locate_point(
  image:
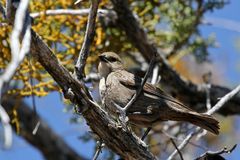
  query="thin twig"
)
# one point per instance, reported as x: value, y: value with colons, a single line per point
x: 88, y: 39
x: 123, y: 111
x: 99, y: 149
x: 181, y: 139
x: 146, y: 133
x: 33, y: 96
x: 224, y: 100
x: 213, y: 153
x: 214, y: 109
x: 179, y: 152
x: 17, y: 55
x: 182, y: 145
x: 149, y: 71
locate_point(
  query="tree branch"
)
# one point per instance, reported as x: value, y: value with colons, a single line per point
x: 214, y: 109
x: 123, y: 143
x: 74, y: 12
x: 46, y: 140
x: 88, y: 39
x: 126, y: 144
x: 139, y: 91
x: 216, y: 154
x: 176, y: 147
x: 5, y: 120
x: 21, y: 26
x: 188, y: 92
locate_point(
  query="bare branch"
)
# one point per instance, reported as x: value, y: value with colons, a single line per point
x: 183, y: 144
x: 49, y: 143
x: 74, y: 12
x: 189, y: 92
x: 146, y: 133
x: 124, y: 143
x: 17, y: 55
x: 88, y: 39
x: 6, y: 127
x: 216, y: 107
x: 215, y: 154
x: 138, y: 92
x: 179, y: 152
x: 100, y: 145
x: 224, y: 100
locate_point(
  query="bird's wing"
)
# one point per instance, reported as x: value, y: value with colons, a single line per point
x: 132, y: 81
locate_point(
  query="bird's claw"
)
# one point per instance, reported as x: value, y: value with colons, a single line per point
x: 68, y: 94
x: 123, y: 119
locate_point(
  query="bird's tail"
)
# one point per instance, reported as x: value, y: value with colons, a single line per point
x: 204, y: 121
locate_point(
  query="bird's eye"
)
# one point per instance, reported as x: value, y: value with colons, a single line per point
x: 112, y: 59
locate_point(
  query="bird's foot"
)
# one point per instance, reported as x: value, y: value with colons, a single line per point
x: 123, y: 119
x: 68, y: 94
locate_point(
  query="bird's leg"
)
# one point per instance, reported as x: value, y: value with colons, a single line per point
x: 100, y: 145
x: 146, y: 133
x: 122, y: 115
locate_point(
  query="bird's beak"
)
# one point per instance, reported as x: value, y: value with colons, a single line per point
x: 103, y: 58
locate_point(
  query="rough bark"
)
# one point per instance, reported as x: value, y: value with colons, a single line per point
x: 46, y: 140
x: 116, y: 138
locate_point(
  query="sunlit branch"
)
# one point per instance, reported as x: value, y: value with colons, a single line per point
x: 214, y: 109
x: 17, y: 55
x: 74, y: 12
x: 88, y: 39
x: 5, y: 120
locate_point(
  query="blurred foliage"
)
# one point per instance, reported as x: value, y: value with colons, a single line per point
x: 171, y: 26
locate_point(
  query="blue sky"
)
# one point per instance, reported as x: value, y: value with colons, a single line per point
x: 227, y: 56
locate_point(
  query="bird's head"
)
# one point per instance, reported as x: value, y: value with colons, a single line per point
x: 109, y: 62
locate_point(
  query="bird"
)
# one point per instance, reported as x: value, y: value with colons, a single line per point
x: 117, y: 86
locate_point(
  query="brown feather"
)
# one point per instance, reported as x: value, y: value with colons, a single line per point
x: 153, y: 105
